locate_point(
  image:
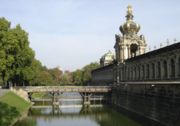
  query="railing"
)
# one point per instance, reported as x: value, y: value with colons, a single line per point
x: 66, y: 88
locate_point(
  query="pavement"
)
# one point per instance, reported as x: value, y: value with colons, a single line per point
x: 3, y: 91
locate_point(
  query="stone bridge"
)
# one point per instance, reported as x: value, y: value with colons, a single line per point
x: 85, y: 91
x: 62, y: 89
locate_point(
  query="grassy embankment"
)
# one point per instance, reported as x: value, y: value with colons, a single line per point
x: 11, y: 108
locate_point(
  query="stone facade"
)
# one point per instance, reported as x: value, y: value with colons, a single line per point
x: 158, y: 65
x: 145, y: 83
x: 135, y: 66
x: 107, y: 59
x: 129, y: 44
x: 103, y: 75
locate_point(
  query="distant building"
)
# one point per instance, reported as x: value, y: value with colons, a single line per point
x: 107, y: 59
x: 132, y: 63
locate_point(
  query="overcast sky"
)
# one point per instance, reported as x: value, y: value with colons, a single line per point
x: 73, y: 33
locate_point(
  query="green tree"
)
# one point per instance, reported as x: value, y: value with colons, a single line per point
x: 66, y: 78
x: 43, y: 78
x: 5, y: 61
x: 86, y: 77
x: 77, y: 77
x: 56, y: 74
x: 83, y: 76
x: 15, y: 54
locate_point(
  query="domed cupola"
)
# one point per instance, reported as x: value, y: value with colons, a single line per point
x: 129, y: 27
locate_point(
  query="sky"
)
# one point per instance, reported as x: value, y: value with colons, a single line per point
x: 72, y: 33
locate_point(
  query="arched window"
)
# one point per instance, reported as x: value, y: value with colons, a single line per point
x: 139, y: 72
x: 179, y: 65
x: 159, y: 70
x: 135, y: 73
x: 147, y: 71
x: 172, y: 68
x: 131, y: 73
x: 153, y: 71
x: 165, y: 68
x: 133, y: 49
x: 143, y: 72
x: 128, y: 73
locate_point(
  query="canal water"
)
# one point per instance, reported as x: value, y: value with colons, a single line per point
x: 71, y: 113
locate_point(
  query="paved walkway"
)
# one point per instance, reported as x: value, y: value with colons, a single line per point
x: 3, y: 91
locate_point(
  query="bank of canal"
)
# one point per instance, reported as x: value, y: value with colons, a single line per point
x: 12, y: 107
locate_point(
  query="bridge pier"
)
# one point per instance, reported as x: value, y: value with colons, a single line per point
x: 30, y: 95
x: 86, y: 98
x: 55, y: 98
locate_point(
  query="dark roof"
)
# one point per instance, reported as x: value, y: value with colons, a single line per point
x: 104, y: 67
x: 156, y: 52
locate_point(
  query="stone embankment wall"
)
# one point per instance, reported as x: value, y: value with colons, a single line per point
x: 160, y: 106
x: 21, y: 93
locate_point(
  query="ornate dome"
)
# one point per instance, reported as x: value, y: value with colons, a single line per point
x: 129, y: 27
x: 107, y: 58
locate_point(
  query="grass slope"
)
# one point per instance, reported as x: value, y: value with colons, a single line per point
x: 11, y: 107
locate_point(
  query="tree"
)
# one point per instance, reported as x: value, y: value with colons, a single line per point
x: 56, y: 74
x: 15, y: 54
x: 43, y: 78
x: 5, y: 61
x: 83, y: 76
x: 66, y: 78
x: 87, y: 72
x: 77, y: 77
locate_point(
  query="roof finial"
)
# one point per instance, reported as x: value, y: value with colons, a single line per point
x: 129, y: 15
x: 129, y: 10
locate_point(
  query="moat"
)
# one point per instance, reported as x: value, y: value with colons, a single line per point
x: 73, y: 113
x: 95, y: 116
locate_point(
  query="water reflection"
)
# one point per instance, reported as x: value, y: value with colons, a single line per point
x: 96, y: 116
x: 72, y: 113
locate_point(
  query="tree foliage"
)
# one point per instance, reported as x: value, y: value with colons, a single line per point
x: 18, y: 65
x: 83, y: 76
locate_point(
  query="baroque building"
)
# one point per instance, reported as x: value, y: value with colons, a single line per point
x: 142, y: 80
x: 129, y: 44
x: 133, y: 64
x: 107, y: 59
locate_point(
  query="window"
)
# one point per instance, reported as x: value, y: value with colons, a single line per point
x: 153, y: 71
x: 172, y: 68
x: 165, y: 68
x: 179, y: 65
x: 143, y: 72
x: 159, y: 70
x: 147, y: 71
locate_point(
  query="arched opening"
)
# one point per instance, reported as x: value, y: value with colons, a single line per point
x: 135, y: 73
x: 139, y: 73
x: 172, y: 68
x: 131, y: 73
x: 165, y: 68
x: 153, y: 71
x: 128, y: 73
x: 143, y: 72
x: 133, y: 48
x: 147, y: 71
x: 159, y: 70
x: 179, y: 65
